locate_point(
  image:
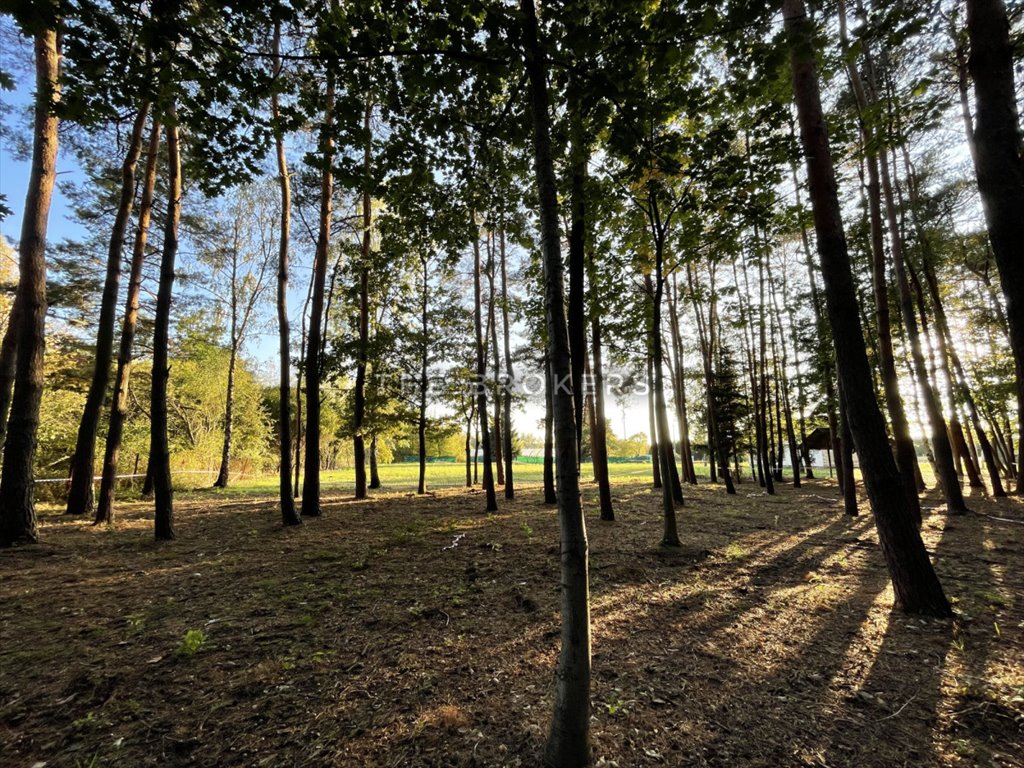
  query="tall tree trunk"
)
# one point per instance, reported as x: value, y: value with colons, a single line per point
x: 299, y: 371
x: 359, y: 395
x: 716, y: 444
x: 421, y: 486
x: 311, y: 366
x: 801, y: 399
x: 481, y: 376
x: 670, y: 534
x: 374, y: 470
x: 759, y: 390
x: 492, y: 325
x: 159, y: 451
x: 844, y: 461
x: 999, y: 169
x: 8, y: 365
x: 510, y: 490
x: 916, y: 586
x: 550, y: 497
x: 469, y: 446
x: 80, y: 494
x: 824, y: 360
x: 958, y: 379
x: 784, y: 385
x: 223, y: 474
x: 945, y: 468
x: 600, y: 427
x: 655, y: 452
x: 568, y: 742
x: 578, y: 156
x: 17, y: 481
x: 288, y: 513
x: 679, y: 382
x: 906, y: 455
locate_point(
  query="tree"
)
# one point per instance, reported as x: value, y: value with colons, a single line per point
x: 287, y: 500
x: 119, y: 406
x: 1000, y: 169
x: 159, y: 452
x: 239, y: 251
x: 17, y: 499
x: 80, y: 495
x: 916, y: 586
x: 568, y: 743
x: 314, y: 339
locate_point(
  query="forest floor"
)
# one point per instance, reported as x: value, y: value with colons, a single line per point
x: 406, y: 631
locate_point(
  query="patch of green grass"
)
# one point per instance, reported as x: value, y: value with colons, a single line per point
x: 996, y: 600
x: 735, y: 552
x: 191, y: 643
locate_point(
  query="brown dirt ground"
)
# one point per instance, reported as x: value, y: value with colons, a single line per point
x: 421, y: 632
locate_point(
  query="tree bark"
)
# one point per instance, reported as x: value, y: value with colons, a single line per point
x: 510, y: 491
x: 311, y: 477
x: 8, y: 365
x: 679, y: 382
x: 906, y: 455
x: 945, y: 468
x: 159, y: 452
x: 670, y: 534
x: 568, y: 742
x: 359, y: 396
x: 17, y: 481
x: 288, y: 513
x: 578, y: 153
x: 481, y: 376
x: 999, y: 169
x: 421, y: 486
x: 550, y: 497
x: 374, y: 470
x: 80, y: 494
x: 492, y: 325
x: 916, y: 586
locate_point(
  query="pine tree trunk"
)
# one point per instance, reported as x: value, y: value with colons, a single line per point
x: 421, y: 486
x: 492, y: 325
x: 481, y: 377
x: 945, y: 469
x: 655, y: 452
x: 8, y: 366
x: 578, y: 155
x: 159, y: 452
x: 999, y: 168
x: 568, y: 742
x: 374, y: 469
x: 600, y: 427
x: 223, y: 475
x: 314, y: 340
x: 288, y: 513
x: 716, y: 444
x: 670, y: 534
x: 916, y: 586
x: 848, y: 482
x: 17, y: 481
x: 679, y: 381
x: 469, y: 446
x: 299, y: 371
x: 550, y: 497
x: 906, y: 455
x: 510, y: 491
x: 80, y: 494
x: 359, y: 396
x: 958, y: 379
